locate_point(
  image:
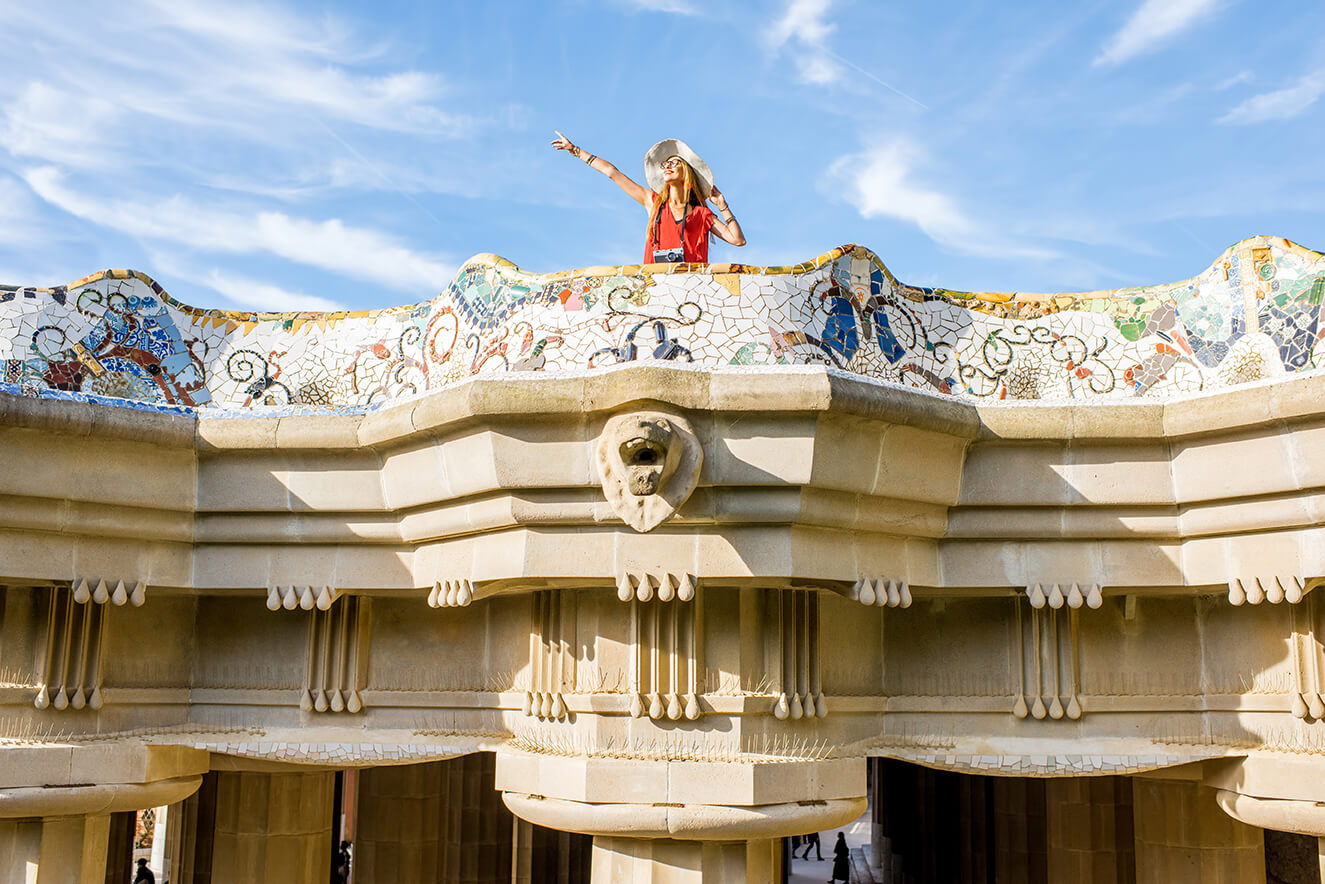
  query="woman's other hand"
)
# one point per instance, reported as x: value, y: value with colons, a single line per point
x: 561, y: 142
x: 715, y: 197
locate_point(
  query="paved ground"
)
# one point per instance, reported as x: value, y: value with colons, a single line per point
x: 809, y: 871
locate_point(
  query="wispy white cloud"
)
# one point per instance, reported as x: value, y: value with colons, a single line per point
x: 1153, y: 23
x: 882, y: 182
x: 675, y: 7
x: 357, y: 252
x: 1281, y: 104
x: 264, y: 296
x: 803, y: 25
x: 1235, y: 80
x: 1153, y: 107
x: 249, y: 72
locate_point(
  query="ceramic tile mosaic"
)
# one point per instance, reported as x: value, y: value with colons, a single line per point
x: 116, y: 336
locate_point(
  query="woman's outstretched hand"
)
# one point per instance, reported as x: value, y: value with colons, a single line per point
x: 561, y: 142
x: 715, y: 197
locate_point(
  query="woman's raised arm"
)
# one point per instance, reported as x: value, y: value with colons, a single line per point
x: 639, y: 194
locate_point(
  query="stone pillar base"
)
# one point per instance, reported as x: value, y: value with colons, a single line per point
x: 61, y: 850
x: 668, y: 861
x: 1182, y: 835
x: 273, y: 828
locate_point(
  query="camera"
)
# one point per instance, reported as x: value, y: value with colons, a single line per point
x: 668, y: 256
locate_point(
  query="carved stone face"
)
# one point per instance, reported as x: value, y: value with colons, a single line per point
x: 644, y: 456
x: 649, y: 464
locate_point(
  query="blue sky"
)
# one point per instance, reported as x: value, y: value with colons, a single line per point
x: 283, y: 156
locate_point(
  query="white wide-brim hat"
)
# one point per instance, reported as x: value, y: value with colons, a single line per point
x: 668, y: 148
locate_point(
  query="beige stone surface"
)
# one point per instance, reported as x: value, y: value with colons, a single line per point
x: 667, y: 861
x: 273, y: 828
x: 1182, y: 835
x: 1173, y: 522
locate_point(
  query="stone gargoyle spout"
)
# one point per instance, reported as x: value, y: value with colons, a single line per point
x: 649, y: 464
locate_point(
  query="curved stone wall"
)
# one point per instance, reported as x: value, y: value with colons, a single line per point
x: 116, y: 336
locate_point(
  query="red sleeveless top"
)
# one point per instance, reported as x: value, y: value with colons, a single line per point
x: 665, y: 232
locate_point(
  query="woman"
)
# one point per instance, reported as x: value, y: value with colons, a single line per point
x: 679, y: 223
x: 841, y: 860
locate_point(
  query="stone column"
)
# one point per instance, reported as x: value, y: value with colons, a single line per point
x: 1183, y: 836
x: 1020, y: 831
x: 273, y: 828
x: 59, y: 850
x: 692, y: 821
x: 119, y: 850
x: 1090, y: 837
x: 437, y: 823
x: 548, y: 856
x: 669, y: 861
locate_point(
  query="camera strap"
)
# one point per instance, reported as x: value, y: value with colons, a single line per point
x: 681, y: 225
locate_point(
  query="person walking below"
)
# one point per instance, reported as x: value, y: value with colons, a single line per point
x: 144, y: 875
x: 811, y: 840
x: 841, y: 860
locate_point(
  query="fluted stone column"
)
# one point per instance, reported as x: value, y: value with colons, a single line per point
x: 547, y: 856
x: 273, y: 828
x: 1090, y: 833
x: 437, y: 823
x: 669, y: 861
x: 1020, y: 831
x: 1182, y: 835
x: 59, y: 850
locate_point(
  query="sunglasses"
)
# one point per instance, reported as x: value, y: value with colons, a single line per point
x: 673, y: 163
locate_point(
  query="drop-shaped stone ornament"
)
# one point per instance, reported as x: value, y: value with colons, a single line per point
x: 1236, y: 595
x: 1056, y: 597
x: 867, y: 592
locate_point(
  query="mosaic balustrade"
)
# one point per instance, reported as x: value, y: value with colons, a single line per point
x: 116, y: 336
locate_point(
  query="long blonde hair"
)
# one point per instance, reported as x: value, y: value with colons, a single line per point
x: 687, y: 184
